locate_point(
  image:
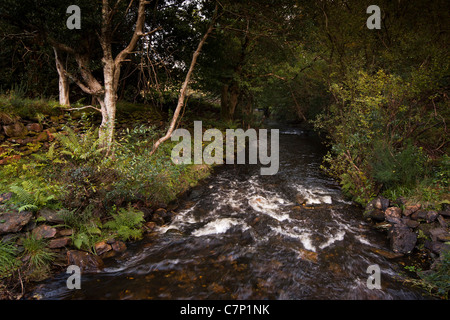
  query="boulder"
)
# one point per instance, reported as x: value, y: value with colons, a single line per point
x: 439, y: 234
x: 375, y: 214
x: 431, y: 216
x: 6, y: 118
x: 14, y: 221
x: 35, y: 127
x: 150, y: 226
x: 44, y: 232
x: 50, y: 134
x: 87, y: 262
x: 51, y: 216
x: 445, y: 213
x: 442, y: 222
x: 419, y: 215
x: 437, y: 246
x: 43, y: 136
x: 393, y: 214
x: 380, y: 203
x: 409, y: 210
x: 102, y: 247
x: 15, y: 130
x: 402, y: 238
x: 59, y: 243
x: 158, y: 219
x: 65, y: 232
x: 410, y: 223
x: 119, y: 246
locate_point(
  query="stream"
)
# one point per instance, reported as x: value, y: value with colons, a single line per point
x: 242, y: 235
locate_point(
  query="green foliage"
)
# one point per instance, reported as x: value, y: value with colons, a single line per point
x: 15, y: 104
x: 126, y: 223
x: 32, y: 195
x: 85, y: 226
x: 441, y: 172
x: 436, y: 281
x: 80, y: 148
x: 397, y: 168
x: 439, y: 278
x: 374, y: 140
x: 154, y: 178
x: 8, y: 259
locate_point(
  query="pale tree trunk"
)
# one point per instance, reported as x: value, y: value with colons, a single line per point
x: 63, y: 81
x: 111, y: 69
x: 108, y: 107
x: 106, y: 95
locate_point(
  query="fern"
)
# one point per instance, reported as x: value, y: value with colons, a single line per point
x: 32, y: 195
x: 127, y: 223
x: 49, y: 157
x: 80, y: 148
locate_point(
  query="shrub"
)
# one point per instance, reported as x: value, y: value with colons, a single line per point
x: 397, y: 168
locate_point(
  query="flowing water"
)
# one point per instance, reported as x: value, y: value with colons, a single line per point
x: 241, y: 235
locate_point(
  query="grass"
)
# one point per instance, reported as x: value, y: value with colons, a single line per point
x: 14, y: 105
x: 8, y: 259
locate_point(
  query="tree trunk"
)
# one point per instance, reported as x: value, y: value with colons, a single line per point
x: 224, y: 103
x: 234, y: 99
x: 108, y: 108
x: 63, y: 81
x: 229, y: 100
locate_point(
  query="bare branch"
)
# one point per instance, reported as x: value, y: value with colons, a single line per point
x: 184, y: 86
x: 85, y: 107
x: 150, y: 32
x: 60, y: 46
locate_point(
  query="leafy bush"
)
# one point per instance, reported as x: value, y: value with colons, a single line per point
x: 375, y: 126
x: 397, y: 168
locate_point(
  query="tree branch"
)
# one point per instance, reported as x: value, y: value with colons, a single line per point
x: 185, y: 85
x: 85, y: 107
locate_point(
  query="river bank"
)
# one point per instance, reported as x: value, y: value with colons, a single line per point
x: 63, y: 203
x: 417, y: 231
